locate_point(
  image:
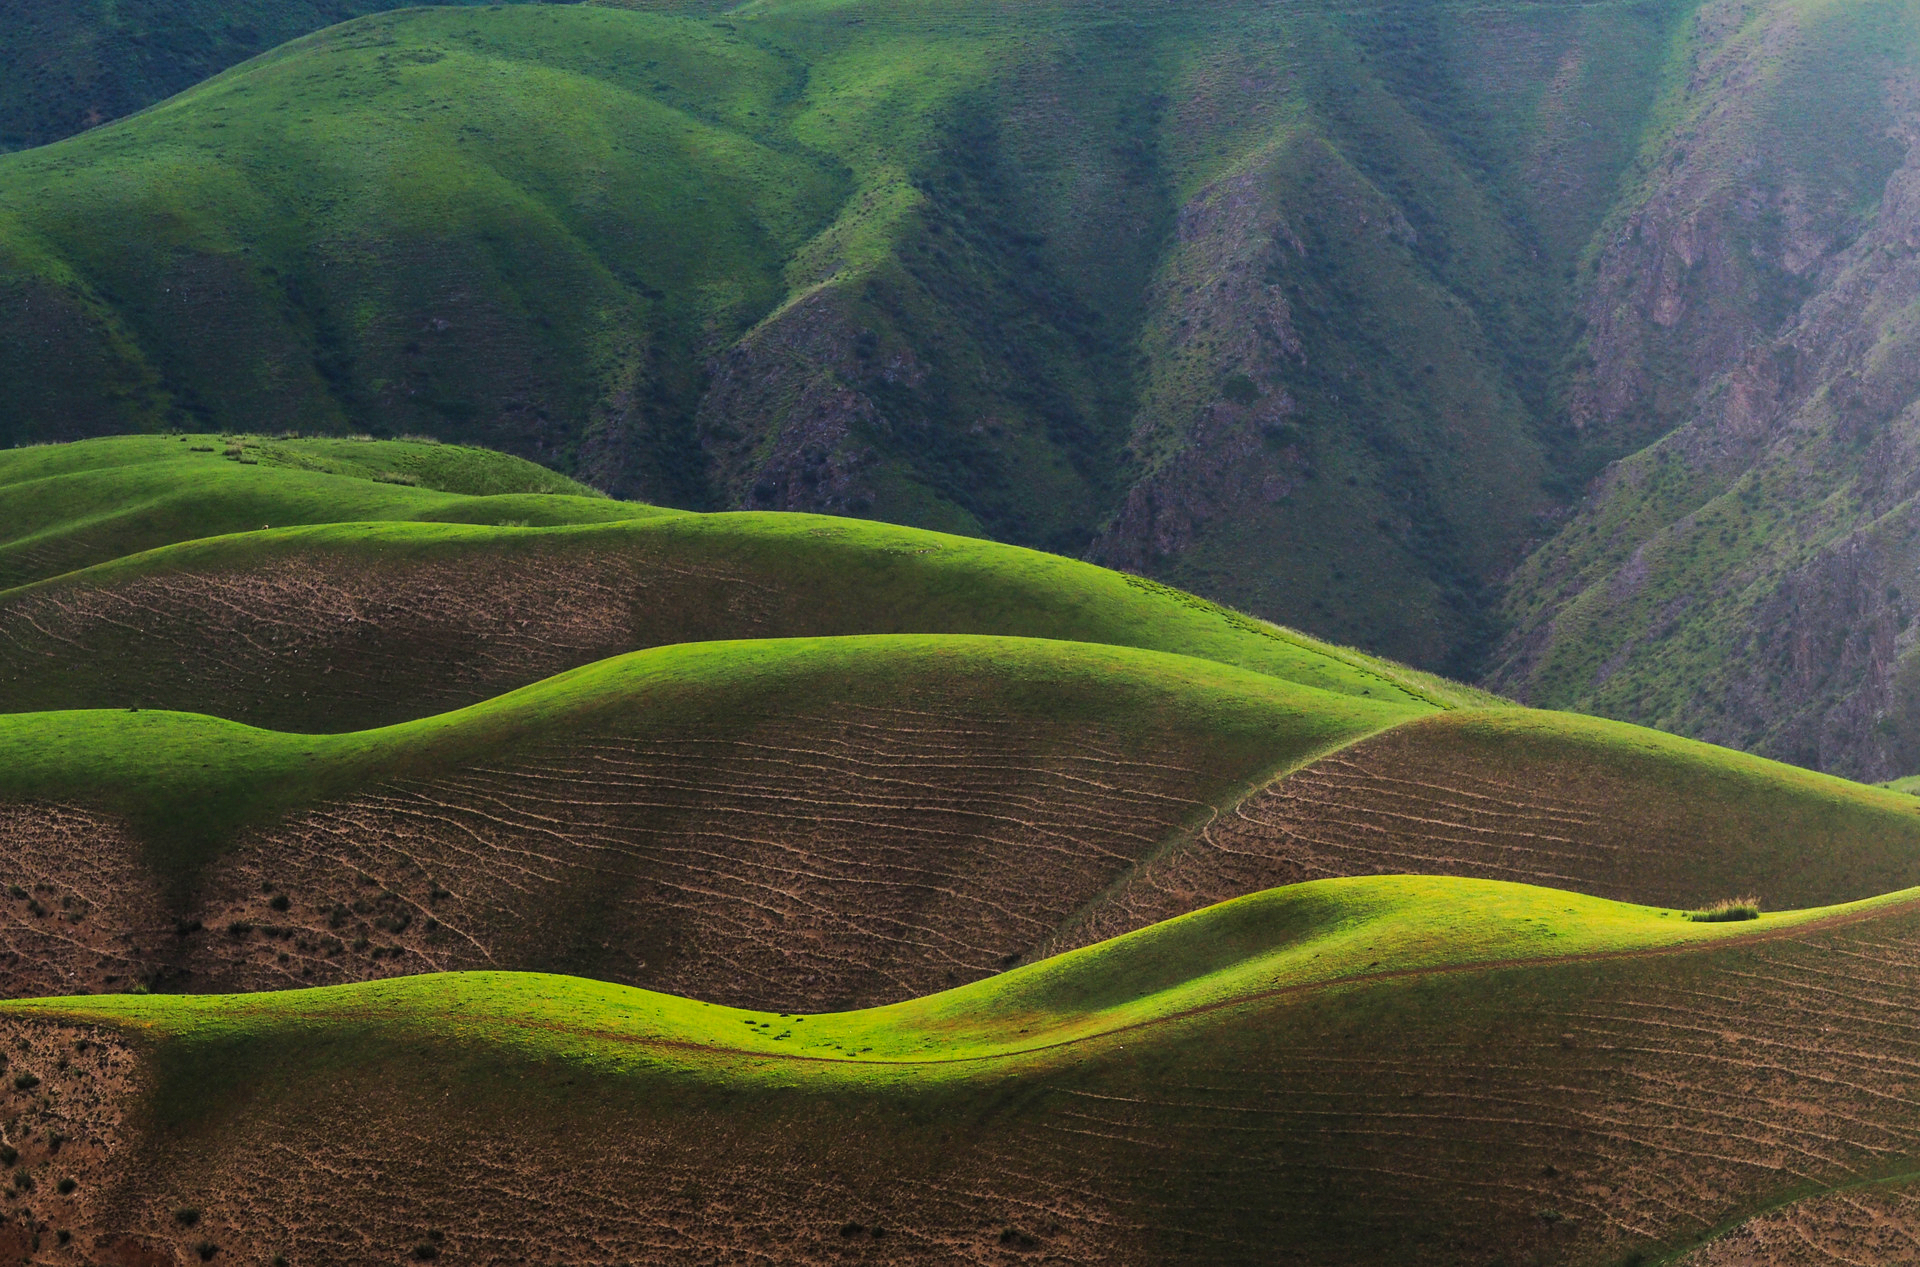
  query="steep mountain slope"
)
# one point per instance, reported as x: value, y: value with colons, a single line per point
x: 1746, y: 578
x: 1279, y: 1079
x: 1261, y: 300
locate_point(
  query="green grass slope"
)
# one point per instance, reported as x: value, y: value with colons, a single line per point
x: 1051, y: 273
x: 346, y: 625
x: 67, y: 507
x: 842, y: 819
x: 68, y: 67
x: 1278, y: 1079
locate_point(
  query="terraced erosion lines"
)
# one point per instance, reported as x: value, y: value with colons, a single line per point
x: 819, y: 861
x: 1556, y: 801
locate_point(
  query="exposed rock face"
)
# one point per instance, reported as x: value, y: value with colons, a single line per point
x: 1222, y: 336
x: 1751, y: 577
x: 797, y: 379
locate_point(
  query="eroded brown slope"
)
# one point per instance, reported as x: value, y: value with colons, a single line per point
x: 863, y: 850
x: 1578, y: 1112
x: 348, y: 627
x: 337, y: 639
x: 860, y: 851
x: 1540, y: 798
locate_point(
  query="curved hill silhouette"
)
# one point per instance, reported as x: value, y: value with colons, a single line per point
x: 1345, y: 1071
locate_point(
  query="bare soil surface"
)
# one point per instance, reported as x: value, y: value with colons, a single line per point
x: 330, y: 640
x: 1873, y: 1224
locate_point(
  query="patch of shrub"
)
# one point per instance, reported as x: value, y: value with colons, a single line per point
x: 25, y: 1082
x: 206, y: 1250
x: 239, y: 928
x: 1727, y: 910
x: 67, y: 1185
x: 425, y: 1250
x: 279, y: 902
x: 186, y: 1216
x: 22, y: 1181
x: 8, y: 1154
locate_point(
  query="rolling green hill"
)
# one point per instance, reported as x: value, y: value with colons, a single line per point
x: 836, y: 819
x: 67, y: 507
x: 1277, y: 1079
x: 467, y: 867
x: 487, y: 574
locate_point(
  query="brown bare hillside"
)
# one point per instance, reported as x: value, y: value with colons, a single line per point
x: 861, y: 850
x: 354, y: 626
x: 1542, y: 798
x: 1873, y: 1223
x: 1576, y: 1112
x: 331, y: 640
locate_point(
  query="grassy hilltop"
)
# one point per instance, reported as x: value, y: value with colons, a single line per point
x: 1352, y: 1072
x: 453, y: 864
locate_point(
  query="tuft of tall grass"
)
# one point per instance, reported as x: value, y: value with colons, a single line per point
x: 1727, y: 910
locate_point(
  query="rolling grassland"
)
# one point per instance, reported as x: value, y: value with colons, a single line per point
x: 469, y: 868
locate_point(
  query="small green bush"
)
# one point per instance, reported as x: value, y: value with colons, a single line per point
x: 1727, y: 910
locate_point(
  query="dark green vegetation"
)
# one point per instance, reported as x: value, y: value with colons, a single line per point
x: 1262, y: 300
x: 68, y: 67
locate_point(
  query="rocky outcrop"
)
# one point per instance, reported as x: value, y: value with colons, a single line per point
x: 1751, y: 578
